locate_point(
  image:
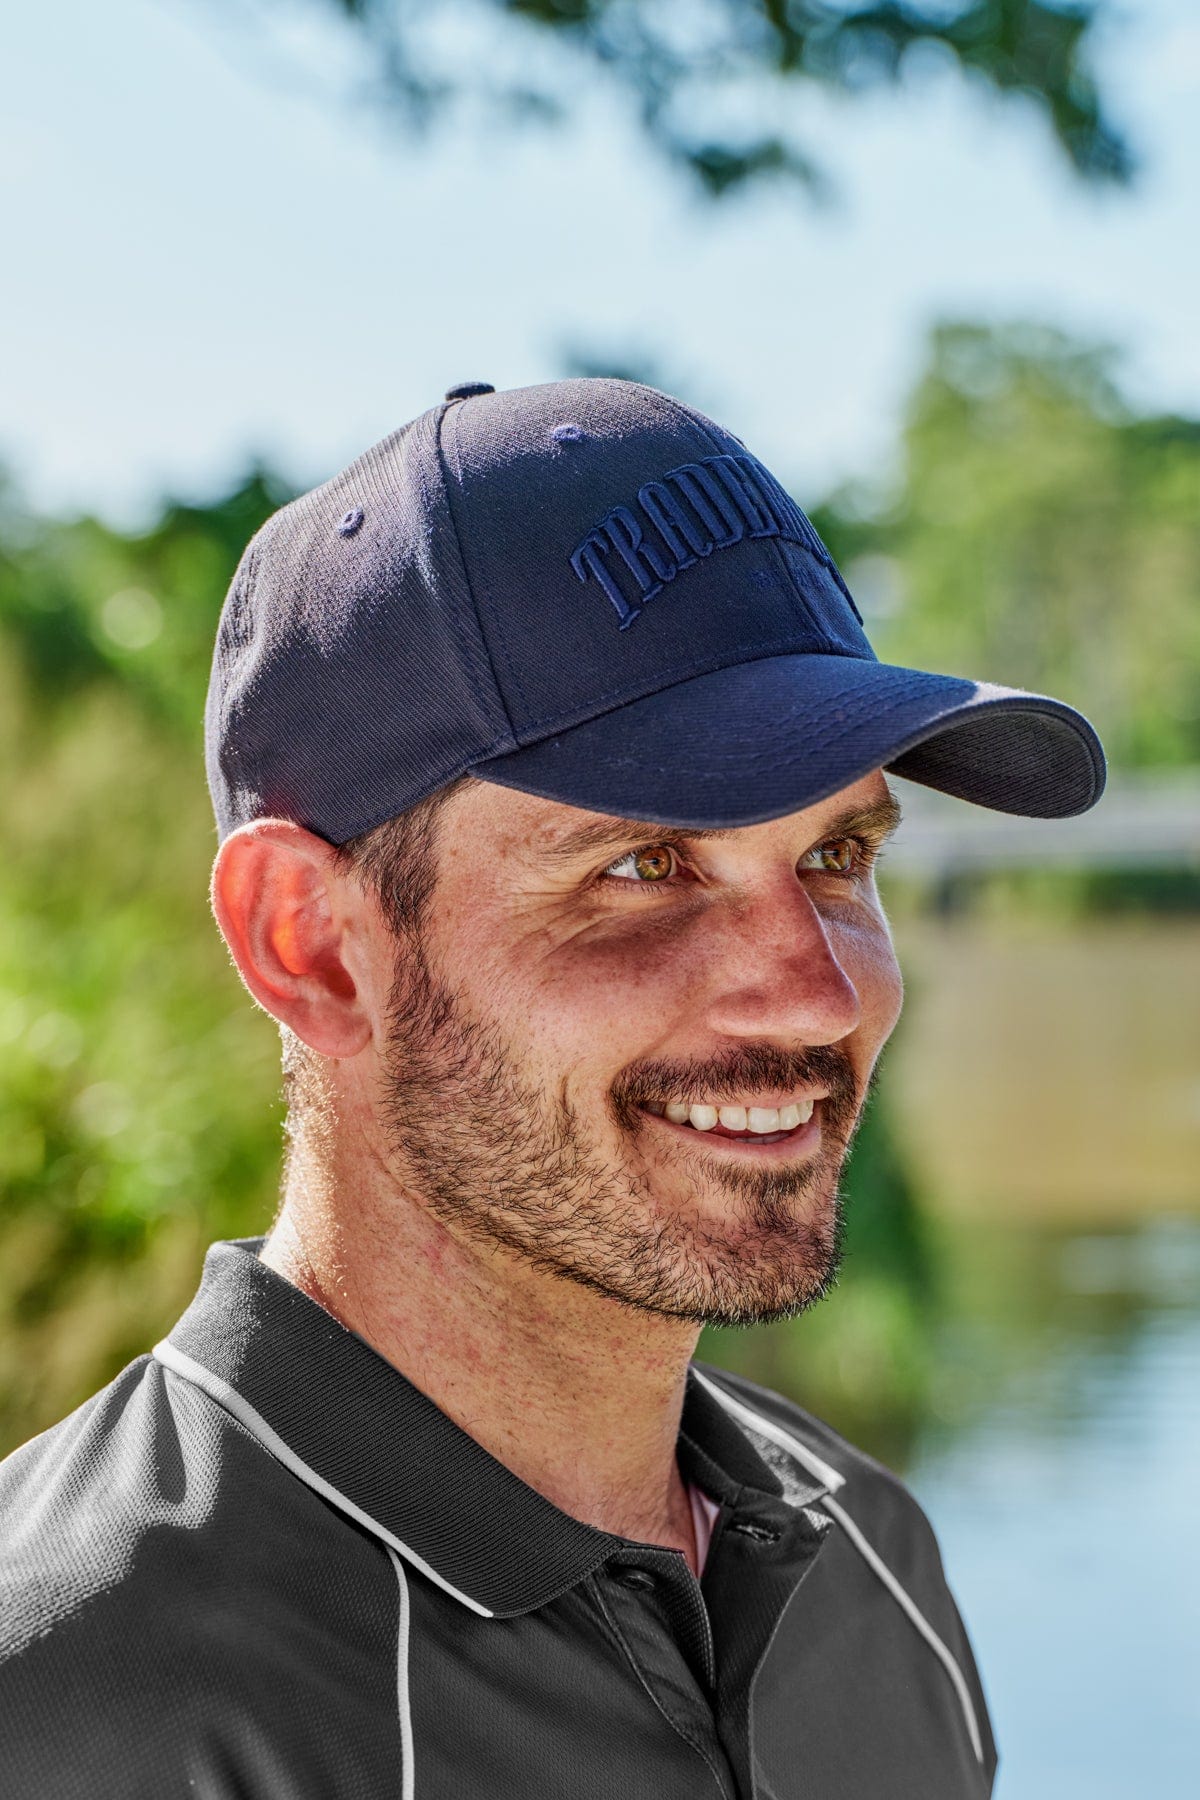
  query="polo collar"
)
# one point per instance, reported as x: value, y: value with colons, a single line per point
x: 359, y: 1432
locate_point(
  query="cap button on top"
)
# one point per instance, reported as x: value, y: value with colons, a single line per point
x: 466, y: 389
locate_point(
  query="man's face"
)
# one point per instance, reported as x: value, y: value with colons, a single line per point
x: 579, y: 981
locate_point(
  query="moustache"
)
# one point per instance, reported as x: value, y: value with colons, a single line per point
x: 748, y: 1068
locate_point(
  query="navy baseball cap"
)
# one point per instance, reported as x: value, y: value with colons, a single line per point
x: 589, y: 591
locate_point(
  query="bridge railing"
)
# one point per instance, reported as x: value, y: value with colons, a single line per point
x: 1143, y: 821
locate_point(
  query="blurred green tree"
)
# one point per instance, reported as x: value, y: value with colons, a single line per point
x: 695, y: 74
x: 139, y: 1106
x: 1041, y: 532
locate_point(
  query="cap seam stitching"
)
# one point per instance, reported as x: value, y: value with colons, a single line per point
x: 916, y: 678
x: 497, y: 746
x: 800, y: 607
x: 892, y: 705
x: 620, y: 697
x: 448, y: 413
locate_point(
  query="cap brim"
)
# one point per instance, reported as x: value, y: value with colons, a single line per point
x: 761, y: 739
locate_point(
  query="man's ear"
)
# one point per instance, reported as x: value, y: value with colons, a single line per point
x: 298, y: 931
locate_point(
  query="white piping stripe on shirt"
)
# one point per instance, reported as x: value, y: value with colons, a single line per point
x: 229, y: 1398
x: 767, y: 1428
x: 407, y: 1777
x: 918, y: 1618
x: 813, y: 1463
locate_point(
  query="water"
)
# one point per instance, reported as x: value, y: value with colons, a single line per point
x: 1068, y: 1518
x: 1050, y: 1070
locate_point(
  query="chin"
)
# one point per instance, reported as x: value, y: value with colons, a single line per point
x: 720, y: 1267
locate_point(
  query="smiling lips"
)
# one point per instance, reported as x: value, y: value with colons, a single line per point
x: 737, y: 1121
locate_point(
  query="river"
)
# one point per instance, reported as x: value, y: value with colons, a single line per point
x: 1068, y: 1518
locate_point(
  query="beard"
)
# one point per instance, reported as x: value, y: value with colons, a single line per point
x: 508, y: 1161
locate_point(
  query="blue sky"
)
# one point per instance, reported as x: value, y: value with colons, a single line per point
x: 212, y: 255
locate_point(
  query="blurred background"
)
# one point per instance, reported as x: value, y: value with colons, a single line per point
x: 938, y: 265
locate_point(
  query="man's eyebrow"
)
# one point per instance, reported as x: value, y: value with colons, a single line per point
x: 877, y: 820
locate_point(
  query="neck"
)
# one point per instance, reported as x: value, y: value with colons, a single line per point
x: 579, y: 1395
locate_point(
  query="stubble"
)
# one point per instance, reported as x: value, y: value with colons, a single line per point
x: 677, y: 1231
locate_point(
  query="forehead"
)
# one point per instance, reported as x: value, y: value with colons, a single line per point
x: 517, y: 821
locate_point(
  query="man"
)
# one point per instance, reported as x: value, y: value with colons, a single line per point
x: 548, y: 759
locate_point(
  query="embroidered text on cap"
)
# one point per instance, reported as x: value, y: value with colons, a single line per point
x: 690, y: 512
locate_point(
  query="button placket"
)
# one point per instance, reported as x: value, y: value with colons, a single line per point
x: 767, y: 1550
x: 671, y: 1591
x: 637, y: 1602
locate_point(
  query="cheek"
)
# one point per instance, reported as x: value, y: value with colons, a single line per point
x: 597, y: 1000
x: 613, y: 1001
x: 880, y: 985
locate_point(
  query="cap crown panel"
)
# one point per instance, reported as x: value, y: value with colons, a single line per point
x: 616, y: 543
x: 375, y: 627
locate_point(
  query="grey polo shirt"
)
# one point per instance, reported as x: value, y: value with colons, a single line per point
x: 262, y: 1564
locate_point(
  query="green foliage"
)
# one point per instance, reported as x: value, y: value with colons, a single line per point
x: 139, y: 1106
x: 1070, y: 896
x: 85, y: 608
x: 1043, y: 537
x: 689, y: 71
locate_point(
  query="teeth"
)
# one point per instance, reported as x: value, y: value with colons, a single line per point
x: 761, y: 1119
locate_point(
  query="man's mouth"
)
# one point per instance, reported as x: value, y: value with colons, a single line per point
x: 757, y: 1121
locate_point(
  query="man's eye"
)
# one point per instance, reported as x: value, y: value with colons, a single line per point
x: 840, y: 856
x: 655, y: 863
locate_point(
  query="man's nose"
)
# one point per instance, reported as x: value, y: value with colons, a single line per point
x: 774, y: 972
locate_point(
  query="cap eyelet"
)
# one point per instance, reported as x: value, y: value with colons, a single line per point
x: 351, y: 522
